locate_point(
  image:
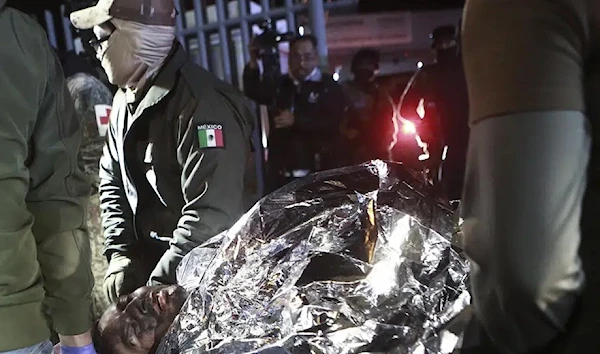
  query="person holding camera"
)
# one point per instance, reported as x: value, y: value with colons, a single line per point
x: 305, y: 108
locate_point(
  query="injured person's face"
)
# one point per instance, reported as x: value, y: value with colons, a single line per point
x: 136, y: 323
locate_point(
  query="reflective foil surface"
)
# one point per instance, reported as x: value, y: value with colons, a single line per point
x: 354, y: 260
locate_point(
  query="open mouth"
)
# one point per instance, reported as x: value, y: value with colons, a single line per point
x: 162, y: 301
x: 158, y: 303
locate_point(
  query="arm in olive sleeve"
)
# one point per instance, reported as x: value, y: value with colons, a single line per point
x: 21, y: 91
x: 57, y: 198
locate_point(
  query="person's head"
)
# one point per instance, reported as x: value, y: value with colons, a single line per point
x: 136, y: 323
x: 365, y: 65
x: 129, y: 35
x: 444, y: 42
x: 303, y: 58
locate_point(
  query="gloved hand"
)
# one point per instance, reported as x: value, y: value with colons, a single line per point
x: 124, y: 275
x: 166, y: 269
x: 88, y: 349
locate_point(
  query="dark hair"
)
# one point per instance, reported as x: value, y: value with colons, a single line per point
x: 100, y: 344
x: 308, y: 37
x: 443, y: 31
x: 366, y: 54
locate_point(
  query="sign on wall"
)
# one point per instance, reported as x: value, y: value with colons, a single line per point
x: 369, y: 30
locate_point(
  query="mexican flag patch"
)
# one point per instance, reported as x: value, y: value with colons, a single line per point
x: 210, y: 136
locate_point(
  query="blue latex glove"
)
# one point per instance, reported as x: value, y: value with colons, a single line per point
x: 88, y: 349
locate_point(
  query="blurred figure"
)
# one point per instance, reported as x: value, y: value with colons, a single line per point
x: 45, y: 255
x: 368, y: 124
x: 93, y: 102
x: 172, y: 171
x: 73, y: 64
x: 436, y: 97
x: 530, y: 216
x: 306, y: 108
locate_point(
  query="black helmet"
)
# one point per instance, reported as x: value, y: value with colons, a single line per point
x: 441, y: 33
x: 444, y: 31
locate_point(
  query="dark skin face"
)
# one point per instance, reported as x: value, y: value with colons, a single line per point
x: 137, y: 322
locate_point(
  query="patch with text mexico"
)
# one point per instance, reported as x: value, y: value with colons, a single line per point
x: 211, y: 136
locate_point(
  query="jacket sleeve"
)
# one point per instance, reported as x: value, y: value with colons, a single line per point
x: 522, y: 224
x: 57, y: 198
x: 211, y: 181
x: 255, y: 87
x: 117, y: 216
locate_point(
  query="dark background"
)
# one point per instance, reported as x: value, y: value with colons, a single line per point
x: 37, y: 7
x: 364, y: 6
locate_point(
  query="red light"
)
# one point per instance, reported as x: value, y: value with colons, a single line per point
x: 409, y: 127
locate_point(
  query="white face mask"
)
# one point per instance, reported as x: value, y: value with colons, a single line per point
x: 134, y: 51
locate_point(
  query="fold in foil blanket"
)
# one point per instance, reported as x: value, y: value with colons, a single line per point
x: 353, y: 260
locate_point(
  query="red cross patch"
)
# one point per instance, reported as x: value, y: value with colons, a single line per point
x: 102, y: 118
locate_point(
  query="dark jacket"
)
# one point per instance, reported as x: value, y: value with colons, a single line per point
x: 444, y: 89
x: 446, y: 122
x: 371, y: 115
x: 318, y: 107
x: 164, y: 190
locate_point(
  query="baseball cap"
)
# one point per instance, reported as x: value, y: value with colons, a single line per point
x: 149, y: 12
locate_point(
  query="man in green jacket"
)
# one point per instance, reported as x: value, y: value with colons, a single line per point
x: 171, y: 175
x: 44, y: 253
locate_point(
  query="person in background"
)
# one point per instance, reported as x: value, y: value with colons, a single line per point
x: 368, y: 124
x: 172, y: 171
x: 306, y: 108
x: 440, y: 91
x: 93, y: 102
x: 530, y: 204
x: 45, y: 255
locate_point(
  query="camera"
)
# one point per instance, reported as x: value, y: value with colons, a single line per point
x: 267, y: 46
x: 268, y: 41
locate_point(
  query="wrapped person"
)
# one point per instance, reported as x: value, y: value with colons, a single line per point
x: 359, y: 257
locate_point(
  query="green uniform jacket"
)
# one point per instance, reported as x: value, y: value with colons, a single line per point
x: 172, y: 171
x: 44, y: 257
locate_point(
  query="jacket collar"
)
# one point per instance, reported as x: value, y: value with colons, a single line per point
x: 2, y: 4
x: 164, y: 81
x: 316, y: 75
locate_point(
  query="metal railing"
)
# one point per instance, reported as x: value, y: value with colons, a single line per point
x: 224, y: 27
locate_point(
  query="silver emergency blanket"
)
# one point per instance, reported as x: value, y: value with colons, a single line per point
x: 353, y: 260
